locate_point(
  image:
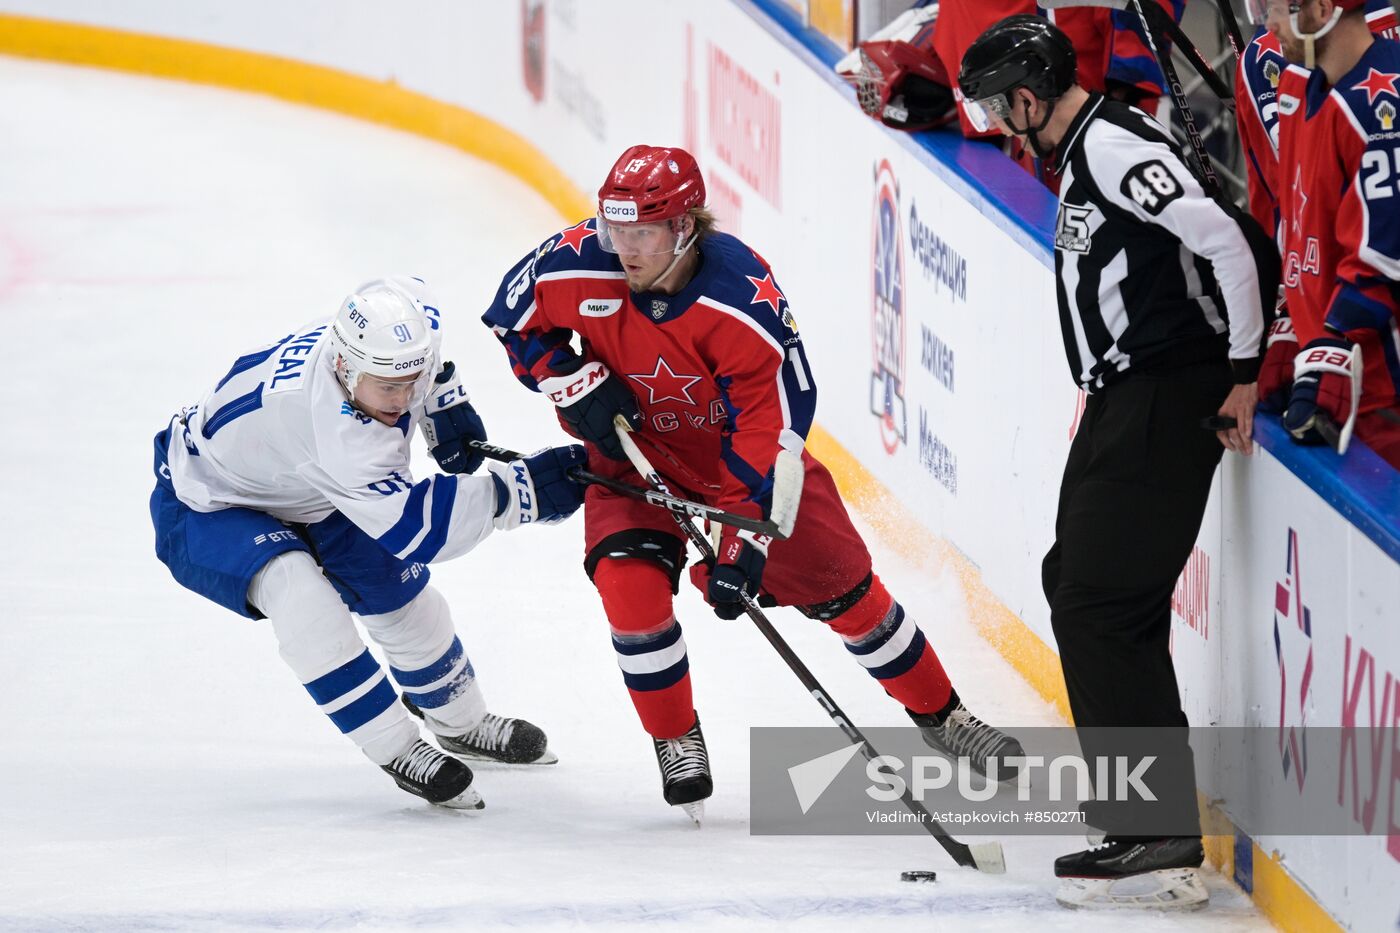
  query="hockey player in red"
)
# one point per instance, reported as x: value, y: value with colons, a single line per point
x: 684, y: 333
x: 1257, y: 78
x: 1339, y: 220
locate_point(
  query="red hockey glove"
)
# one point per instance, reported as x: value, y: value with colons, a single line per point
x: 1322, y: 407
x: 1276, y: 372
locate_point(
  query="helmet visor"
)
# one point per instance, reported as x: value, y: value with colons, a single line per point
x: 988, y: 113
x: 639, y: 239
x: 393, y: 393
x: 1257, y: 11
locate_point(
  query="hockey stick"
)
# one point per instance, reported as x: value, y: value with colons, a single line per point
x: 1232, y: 26
x: 1174, y: 86
x: 1163, y: 23
x: 1340, y: 440
x: 662, y: 499
x: 984, y: 856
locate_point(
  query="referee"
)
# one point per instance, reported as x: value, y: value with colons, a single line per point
x: 1161, y: 291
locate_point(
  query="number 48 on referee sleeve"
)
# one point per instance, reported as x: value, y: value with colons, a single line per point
x: 1151, y: 186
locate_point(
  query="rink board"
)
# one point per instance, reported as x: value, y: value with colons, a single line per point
x: 919, y: 273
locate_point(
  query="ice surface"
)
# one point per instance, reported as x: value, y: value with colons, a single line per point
x: 163, y: 770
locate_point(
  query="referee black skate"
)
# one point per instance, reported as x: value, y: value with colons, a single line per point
x: 1162, y: 291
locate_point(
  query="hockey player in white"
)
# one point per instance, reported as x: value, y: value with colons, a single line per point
x: 286, y: 493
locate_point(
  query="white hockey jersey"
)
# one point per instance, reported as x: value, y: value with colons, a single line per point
x: 278, y: 434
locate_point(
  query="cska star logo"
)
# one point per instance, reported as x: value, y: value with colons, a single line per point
x: 663, y: 384
x: 765, y: 291
x: 1294, y: 651
x: 574, y: 237
x: 1376, y: 84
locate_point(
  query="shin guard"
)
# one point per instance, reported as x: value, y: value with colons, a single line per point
x: 889, y: 645
x: 650, y: 648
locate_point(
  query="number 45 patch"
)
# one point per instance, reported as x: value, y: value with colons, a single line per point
x: 1151, y: 186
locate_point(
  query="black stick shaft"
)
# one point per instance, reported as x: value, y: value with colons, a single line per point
x: 673, y: 504
x: 960, y: 852
x: 1188, y: 117
x: 1232, y: 26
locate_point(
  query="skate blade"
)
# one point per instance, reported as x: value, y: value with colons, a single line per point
x: 468, y: 799
x: 695, y: 810
x: 1167, y: 889
x: 547, y: 757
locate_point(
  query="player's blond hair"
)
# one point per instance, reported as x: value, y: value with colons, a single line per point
x: 705, y: 222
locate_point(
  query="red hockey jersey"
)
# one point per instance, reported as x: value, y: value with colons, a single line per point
x: 1339, y: 209
x: 1256, y: 109
x: 718, y: 369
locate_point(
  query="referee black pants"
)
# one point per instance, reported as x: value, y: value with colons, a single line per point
x: 1134, y: 492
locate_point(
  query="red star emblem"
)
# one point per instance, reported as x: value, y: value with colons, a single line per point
x: 765, y: 290
x: 1378, y: 83
x: 1293, y: 649
x: 574, y: 237
x: 664, y: 384
x: 1300, y: 200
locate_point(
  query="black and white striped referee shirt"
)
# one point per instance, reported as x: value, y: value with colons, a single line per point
x: 1152, y: 272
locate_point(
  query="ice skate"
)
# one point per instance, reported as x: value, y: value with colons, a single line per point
x: 685, y: 772
x: 1160, y: 874
x: 959, y: 734
x: 437, y: 778
x: 499, y: 739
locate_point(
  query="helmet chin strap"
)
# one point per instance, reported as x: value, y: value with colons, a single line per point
x: 681, y: 248
x: 1309, y: 39
x: 1030, y: 132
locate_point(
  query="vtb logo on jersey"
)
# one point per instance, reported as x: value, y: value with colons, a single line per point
x: 1072, y: 228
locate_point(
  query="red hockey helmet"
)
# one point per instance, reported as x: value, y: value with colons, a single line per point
x: 903, y: 85
x: 649, y: 184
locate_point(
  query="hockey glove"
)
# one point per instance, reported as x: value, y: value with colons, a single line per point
x: 738, y: 572
x: 1325, y: 388
x: 588, y: 398
x: 452, y: 424
x: 1276, y: 372
x: 538, y: 489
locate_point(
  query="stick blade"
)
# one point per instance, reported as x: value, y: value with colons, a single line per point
x: 988, y: 858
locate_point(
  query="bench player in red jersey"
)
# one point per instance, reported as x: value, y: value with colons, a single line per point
x: 1338, y: 193
x: 1257, y: 79
x: 685, y: 333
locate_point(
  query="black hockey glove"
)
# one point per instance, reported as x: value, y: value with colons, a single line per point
x: 738, y: 572
x: 589, y: 397
x: 452, y: 424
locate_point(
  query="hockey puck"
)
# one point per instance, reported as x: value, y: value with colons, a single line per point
x: 918, y: 876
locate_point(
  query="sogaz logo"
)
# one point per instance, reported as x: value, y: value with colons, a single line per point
x: 887, y: 312
x: 619, y: 210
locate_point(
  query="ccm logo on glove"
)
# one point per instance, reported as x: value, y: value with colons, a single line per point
x: 563, y: 390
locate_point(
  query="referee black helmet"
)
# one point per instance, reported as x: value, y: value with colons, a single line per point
x: 1019, y: 51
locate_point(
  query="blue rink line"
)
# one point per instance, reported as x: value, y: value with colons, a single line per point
x: 1001, y: 900
x: 1360, y: 486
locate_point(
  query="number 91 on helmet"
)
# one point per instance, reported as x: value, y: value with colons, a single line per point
x: 385, y: 339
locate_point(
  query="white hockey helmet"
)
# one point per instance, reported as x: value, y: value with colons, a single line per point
x: 387, y: 329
